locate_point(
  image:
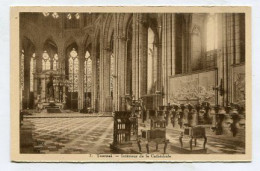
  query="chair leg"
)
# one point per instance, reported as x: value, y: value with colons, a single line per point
x: 147, y: 148
x: 205, y: 141
x: 165, y: 146
x: 139, y: 146
x: 156, y: 146
x: 191, y: 143
x: 180, y: 139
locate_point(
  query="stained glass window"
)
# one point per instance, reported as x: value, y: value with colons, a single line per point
x: 87, y: 73
x: 22, y: 71
x: 55, y: 62
x: 73, y: 71
x: 211, y: 42
x: 46, y: 62
x: 212, y: 37
x: 32, y: 71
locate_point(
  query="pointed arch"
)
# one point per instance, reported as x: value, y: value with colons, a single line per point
x: 50, y: 51
x: 108, y: 31
x: 51, y: 42
x: 68, y: 42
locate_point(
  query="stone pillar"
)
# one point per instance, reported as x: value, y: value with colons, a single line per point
x: 228, y: 56
x: 164, y: 57
x: 64, y: 96
x: 101, y: 76
x: 116, y: 99
x: 220, y: 58
x: 27, y: 58
x: 35, y: 85
x: 139, y: 61
x: 159, y: 61
x: 168, y: 53
x: 95, y: 87
x: 81, y: 55
x: 122, y: 60
x: 135, y: 68
x: 143, y: 54
x: 106, y: 78
x: 173, y: 40
x: 38, y: 58
x: 43, y: 91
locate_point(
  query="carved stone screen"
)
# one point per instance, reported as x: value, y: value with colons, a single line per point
x: 193, y: 88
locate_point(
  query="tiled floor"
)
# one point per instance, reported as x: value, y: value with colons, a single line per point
x: 93, y: 135
x: 70, y: 135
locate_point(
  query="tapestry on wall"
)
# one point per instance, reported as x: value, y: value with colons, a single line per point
x: 239, y: 85
x: 193, y: 88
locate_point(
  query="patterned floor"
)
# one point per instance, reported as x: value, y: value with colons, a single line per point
x: 214, y: 144
x: 94, y: 135
x: 70, y: 135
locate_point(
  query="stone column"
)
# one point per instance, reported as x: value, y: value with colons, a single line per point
x: 143, y: 33
x: 38, y: 58
x: 95, y: 87
x: 159, y: 61
x: 43, y: 91
x: 116, y: 100
x: 164, y: 57
x: 228, y: 56
x: 81, y: 55
x: 168, y: 54
x: 64, y: 96
x: 106, y: 78
x: 101, y: 97
x: 122, y: 60
x: 27, y: 58
x: 139, y: 55
x: 35, y: 85
x: 135, y: 68
x: 220, y: 58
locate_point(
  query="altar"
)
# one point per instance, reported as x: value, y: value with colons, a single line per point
x: 50, y: 89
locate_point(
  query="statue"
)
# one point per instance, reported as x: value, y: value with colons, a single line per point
x: 51, y: 94
x: 64, y: 98
x: 50, y: 88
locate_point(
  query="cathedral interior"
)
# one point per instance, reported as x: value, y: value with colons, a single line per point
x: 109, y: 82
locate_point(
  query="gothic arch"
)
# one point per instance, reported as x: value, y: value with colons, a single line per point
x: 124, y: 21
x: 50, y: 42
x: 27, y: 44
x: 87, y: 43
x: 108, y: 31
x: 33, y: 34
x: 153, y: 24
x: 68, y: 42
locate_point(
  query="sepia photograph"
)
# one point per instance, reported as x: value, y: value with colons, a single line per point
x: 135, y: 84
